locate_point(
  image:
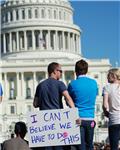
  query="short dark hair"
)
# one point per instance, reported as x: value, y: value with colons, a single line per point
x: 20, y: 129
x: 81, y: 67
x: 52, y: 66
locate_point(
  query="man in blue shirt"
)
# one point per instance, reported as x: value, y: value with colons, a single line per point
x: 83, y: 91
x: 1, y: 93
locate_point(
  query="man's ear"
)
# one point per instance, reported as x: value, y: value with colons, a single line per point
x: 76, y: 73
x: 54, y: 72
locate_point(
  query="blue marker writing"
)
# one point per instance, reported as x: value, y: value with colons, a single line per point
x: 33, y: 118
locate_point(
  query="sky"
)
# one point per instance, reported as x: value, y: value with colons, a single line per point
x: 100, y: 25
x: 99, y: 22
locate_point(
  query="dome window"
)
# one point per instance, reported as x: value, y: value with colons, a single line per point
x: 12, y: 109
x: 11, y: 16
x: 60, y: 17
x: 55, y: 16
x: 29, y: 14
x: 64, y: 16
x: 49, y: 13
x: 29, y: 39
x: 43, y: 13
x: 23, y: 14
x: 36, y: 13
x: 12, y: 93
x: 12, y: 89
x: 28, y: 89
x: 28, y: 93
x: 17, y: 15
x: 6, y: 17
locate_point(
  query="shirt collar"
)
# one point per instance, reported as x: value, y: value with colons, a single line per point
x: 84, y: 75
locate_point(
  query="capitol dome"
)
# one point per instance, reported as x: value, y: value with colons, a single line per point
x: 39, y: 27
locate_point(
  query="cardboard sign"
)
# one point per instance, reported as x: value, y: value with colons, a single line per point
x: 53, y: 127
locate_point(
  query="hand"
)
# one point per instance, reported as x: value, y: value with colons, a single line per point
x: 78, y: 121
x: 106, y: 113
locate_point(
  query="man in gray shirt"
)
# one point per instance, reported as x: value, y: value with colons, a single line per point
x: 17, y: 143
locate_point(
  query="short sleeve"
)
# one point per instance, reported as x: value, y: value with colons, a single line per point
x: 105, y: 90
x: 37, y: 91
x: 62, y: 87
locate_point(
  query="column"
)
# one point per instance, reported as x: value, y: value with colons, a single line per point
x: 23, y: 85
x: 33, y: 40
x: 41, y: 40
x: 8, y: 16
x: 25, y: 41
x: 10, y: 40
x: 4, y: 42
x: 69, y: 42
x: 76, y: 43
x: 14, y: 15
x: 20, y: 14
x: 63, y: 79
x: 34, y: 82
x: 26, y: 13
x: 79, y: 44
x: 21, y: 36
x: 56, y: 41
x: 63, y: 38
x: 39, y: 12
x: 17, y: 35
x: 103, y: 78
x: 48, y: 40
x: 33, y: 14
x: 6, y: 91
x: 18, y: 85
x: 73, y: 42
x: 13, y: 42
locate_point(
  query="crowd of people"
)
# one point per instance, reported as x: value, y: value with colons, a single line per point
x: 81, y: 93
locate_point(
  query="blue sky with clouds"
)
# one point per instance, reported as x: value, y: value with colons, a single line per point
x: 100, y: 25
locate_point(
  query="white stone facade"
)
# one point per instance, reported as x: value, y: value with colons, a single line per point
x: 33, y: 34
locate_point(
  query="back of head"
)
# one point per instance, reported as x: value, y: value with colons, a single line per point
x: 20, y: 129
x: 51, y: 67
x: 81, y: 67
x: 113, y: 74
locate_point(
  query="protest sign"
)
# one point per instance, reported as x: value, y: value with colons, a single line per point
x: 53, y: 127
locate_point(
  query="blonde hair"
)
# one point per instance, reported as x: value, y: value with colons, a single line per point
x: 115, y: 72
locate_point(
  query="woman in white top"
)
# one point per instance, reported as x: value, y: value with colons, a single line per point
x: 111, y: 106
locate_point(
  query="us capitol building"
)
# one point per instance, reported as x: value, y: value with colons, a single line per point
x: 33, y: 34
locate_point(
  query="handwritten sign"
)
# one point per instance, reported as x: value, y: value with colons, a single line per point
x: 53, y: 127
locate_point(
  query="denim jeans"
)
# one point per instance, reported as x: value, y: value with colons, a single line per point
x: 114, y: 136
x: 87, y: 133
